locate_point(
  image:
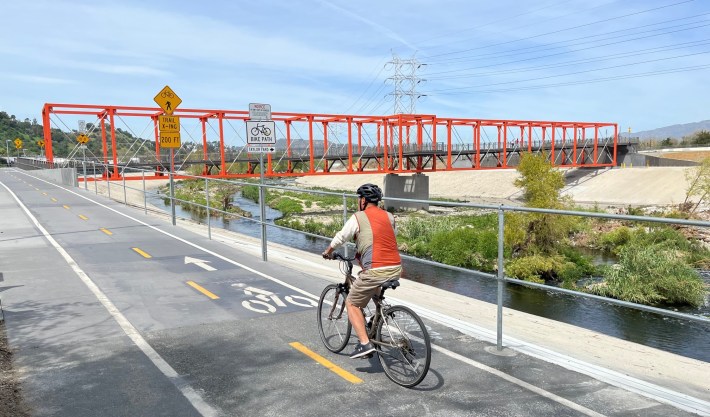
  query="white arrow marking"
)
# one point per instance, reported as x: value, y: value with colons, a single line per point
x: 199, y: 262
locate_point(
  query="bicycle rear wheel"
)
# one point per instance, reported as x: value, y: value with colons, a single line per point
x: 333, y: 324
x: 404, y: 346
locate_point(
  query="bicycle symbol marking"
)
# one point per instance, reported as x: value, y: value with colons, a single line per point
x: 266, y: 302
x: 167, y: 94
x: 260, y: 129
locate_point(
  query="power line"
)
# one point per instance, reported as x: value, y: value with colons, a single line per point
x: 565, y: 43
x: 590, y: 81
x: 563, y: 30
x: 574, y: 73
x: 570, y: 51
x: 647, y: 51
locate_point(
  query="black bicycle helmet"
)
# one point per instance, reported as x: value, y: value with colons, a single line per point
x: 370, y: 192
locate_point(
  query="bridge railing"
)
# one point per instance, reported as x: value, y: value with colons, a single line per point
x: 120, y: 191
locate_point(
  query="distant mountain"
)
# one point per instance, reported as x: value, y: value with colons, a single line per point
x: 674, y: 131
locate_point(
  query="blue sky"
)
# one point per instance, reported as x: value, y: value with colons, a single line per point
x: 641, y: 63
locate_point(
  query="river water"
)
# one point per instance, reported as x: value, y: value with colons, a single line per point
x: 682, y: 337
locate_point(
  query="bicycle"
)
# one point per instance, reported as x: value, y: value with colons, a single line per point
x: 399, y: 335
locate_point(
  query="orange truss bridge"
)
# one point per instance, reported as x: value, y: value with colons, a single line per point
x: 323, y: 144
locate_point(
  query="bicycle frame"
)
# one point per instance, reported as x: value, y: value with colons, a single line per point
x: 378, y: 299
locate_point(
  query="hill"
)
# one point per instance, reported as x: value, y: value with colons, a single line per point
x: 675, y: 131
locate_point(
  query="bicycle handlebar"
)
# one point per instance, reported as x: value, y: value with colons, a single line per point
x: 336, y: 255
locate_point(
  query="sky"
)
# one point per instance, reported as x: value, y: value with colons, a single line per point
x: 641, y: 63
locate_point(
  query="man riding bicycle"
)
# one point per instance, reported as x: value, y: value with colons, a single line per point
x: 373, y: 230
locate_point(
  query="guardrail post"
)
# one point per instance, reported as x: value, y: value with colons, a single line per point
x: 345, y: 219
x: 108, y: 184
x: 125, y: 197
x: 207, y: 203
x: 145, y: 196
x: 83, y: 165
x: 96, y: 183
x: 262, y: 207
x: 172, y: 197
x: 501, y: 276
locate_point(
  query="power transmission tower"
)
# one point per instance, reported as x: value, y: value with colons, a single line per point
x: 405, y: 81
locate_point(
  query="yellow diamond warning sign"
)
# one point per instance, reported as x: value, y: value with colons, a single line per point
x: 167, y: 100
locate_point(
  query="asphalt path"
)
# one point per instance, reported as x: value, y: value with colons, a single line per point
x: 115, y: 313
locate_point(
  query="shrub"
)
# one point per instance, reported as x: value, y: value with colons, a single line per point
x: 465, y: 247
x: 652, y: 275
x: 534, y: 268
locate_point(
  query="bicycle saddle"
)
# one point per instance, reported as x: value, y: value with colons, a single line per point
x: 394, y: 283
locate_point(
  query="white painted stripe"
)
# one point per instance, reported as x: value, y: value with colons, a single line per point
x: 519, y: 382
x: 192, y: 396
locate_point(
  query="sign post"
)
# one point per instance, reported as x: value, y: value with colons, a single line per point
x: 169, y: 127
x: 261, y: 138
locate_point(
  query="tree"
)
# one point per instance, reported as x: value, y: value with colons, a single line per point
x: 702, y: 138
x: 698, y: 184
x: 542, y: 188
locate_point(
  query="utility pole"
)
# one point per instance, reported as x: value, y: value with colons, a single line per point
x: 405, y: 81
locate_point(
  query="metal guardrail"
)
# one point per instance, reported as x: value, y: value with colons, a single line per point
x: 499, y: 209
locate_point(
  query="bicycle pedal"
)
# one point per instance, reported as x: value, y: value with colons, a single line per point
x: 368, y: 356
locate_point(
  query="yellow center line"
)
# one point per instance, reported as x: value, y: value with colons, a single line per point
x: 325, y: 362
x: 44, y: 193
x: 108, y: 232
x: 54, y: 199
x: 202, y: 290
x: 143, y: 254
x: 82, y: 217
x: 66, y: 207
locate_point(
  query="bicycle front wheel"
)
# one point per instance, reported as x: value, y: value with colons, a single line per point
x: 404, y: 346
x: 333, y: 324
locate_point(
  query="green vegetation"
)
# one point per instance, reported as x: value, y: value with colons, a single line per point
x: 291, y: 204
x: 190, y: 193
x: 653, y: 274
x: 699, y: 185
x: 468, y: 241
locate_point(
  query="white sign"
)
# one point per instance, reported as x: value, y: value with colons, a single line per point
x: 259, y: 149
x: 261, y: 132
x: 259, y: 111
x: 82, y: 126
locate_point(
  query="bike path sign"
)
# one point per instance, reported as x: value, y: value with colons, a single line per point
x: 261, y: 132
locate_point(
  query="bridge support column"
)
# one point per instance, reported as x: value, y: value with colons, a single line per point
x: 415, y: 187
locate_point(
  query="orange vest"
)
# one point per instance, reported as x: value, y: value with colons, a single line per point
x: 375, y: 242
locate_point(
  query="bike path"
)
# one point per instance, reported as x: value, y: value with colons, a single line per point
x: 239, y: 360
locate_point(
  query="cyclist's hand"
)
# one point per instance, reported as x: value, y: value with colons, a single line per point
x: 327, y: 255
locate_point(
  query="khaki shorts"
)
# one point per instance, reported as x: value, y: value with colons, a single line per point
x: 368, y: 284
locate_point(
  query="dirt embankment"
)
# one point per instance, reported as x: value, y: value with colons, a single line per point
x: 11, y: 403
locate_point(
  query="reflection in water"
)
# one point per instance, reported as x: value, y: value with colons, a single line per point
x: 678, y: 336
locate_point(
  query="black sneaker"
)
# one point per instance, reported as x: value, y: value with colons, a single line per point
x: 362, y: 350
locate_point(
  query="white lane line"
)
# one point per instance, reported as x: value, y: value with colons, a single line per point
x: 539, y: 391
x: 192, y: 396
